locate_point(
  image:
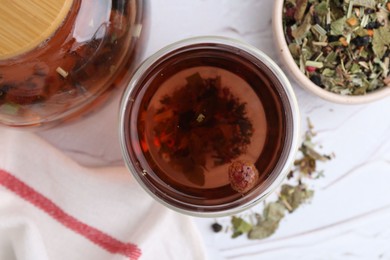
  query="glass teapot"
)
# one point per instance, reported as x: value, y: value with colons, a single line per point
x: 59, y: 58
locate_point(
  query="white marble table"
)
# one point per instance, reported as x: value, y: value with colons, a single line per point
x: 349, y: 216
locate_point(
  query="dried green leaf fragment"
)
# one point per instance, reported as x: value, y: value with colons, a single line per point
x: 315, y: 64
x: 269, y: 222
x: 240, y: 226
x: 303, y: 29
x: 365, y: 3
x: 322, y: 8
x: 381, y: 41
x: 294, y: 196
x: 300, y: 10
x: 338, y: 26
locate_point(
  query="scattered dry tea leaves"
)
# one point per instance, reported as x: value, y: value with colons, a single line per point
x: 291, y: 196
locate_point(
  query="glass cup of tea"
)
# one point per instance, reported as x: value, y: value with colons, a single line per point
x: 209, y: 126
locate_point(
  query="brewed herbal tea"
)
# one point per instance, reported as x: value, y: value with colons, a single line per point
x: 93, y: 51
x: 206, y: 126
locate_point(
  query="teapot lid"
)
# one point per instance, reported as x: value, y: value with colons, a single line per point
x: 26, y: 24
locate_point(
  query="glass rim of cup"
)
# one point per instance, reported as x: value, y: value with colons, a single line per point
x: 292, y: 105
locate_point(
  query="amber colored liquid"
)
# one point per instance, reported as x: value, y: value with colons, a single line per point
x: 97, y: 46
x: 248, y: 83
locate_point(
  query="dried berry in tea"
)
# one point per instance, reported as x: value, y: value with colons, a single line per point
x: 243, y: 176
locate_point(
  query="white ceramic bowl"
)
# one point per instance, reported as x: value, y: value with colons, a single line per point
x: 301, y: 78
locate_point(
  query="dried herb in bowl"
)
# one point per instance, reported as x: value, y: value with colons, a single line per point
x: 341, y: 46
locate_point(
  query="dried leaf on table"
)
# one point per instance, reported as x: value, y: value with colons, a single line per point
x: 269, y: 222
x: 240, y: 226
x: 294, y: 196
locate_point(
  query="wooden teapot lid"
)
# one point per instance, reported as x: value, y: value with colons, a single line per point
x: 24, y: 24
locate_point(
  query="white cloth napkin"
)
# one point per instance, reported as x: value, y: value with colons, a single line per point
x: 52, y: 208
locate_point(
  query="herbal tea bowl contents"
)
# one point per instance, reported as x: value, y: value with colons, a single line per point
x: 209, y: 126
x: 338, y: 50
x: 60, y: 57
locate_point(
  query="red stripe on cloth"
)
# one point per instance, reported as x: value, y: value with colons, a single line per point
x: 96, y: 236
